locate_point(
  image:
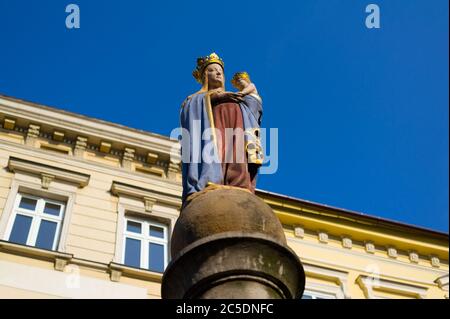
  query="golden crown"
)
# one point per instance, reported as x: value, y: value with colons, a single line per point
x: 237, y: 76
x: 203, y: 62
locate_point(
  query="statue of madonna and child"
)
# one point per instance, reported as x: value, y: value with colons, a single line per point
x: 220, y: 144
x: 227, y: 243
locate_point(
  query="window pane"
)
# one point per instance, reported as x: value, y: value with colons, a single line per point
x: 134, y: 227
x: 46, y: 235
x: 307, y: 297
x: 156, y: 257
x: 20, y: 230
x: 52, y: 209
x: 133, y: 252
x: 28, y: 203
x: 156, y: 231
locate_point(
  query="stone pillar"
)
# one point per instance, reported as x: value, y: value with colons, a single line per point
x: 227, y: 243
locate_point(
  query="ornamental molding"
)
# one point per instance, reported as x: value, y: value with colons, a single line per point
x: 315, y: 216
x: 60, y: 259
x: 148, y: 196
x: 76, y: 134
x: 435, y: 261
x: 323, y: 236
x: 48, y: 173
x: 299, y: 231
x: 117, y: 270
x: 392, y: 252
x: 370, y: 247
x: 351, y: 252
x: 82, y: 125
x: 371, y: 284
x: 338, y: 277
x: 414, y: 256
x: 161, y: 185
x: 347, y: 242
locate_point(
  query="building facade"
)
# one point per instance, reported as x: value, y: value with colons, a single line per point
x: 87, y: 208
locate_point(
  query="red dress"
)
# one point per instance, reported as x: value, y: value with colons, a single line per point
x: 236, y: 170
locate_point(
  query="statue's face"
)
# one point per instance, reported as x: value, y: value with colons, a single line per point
x: 214, y: 73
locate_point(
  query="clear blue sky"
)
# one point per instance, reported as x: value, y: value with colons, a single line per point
x: 362, y: 114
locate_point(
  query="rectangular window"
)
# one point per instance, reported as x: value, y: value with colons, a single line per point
x: 145, y: 244
x: 35, y: 221
x: 21, y: 229
x: 133, y: 252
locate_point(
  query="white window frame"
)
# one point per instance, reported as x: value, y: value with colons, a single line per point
x: 321, y: 295
x: 145, y: 239
x: 37, y: 216
x: 337, y: 286
x: 370, y: 286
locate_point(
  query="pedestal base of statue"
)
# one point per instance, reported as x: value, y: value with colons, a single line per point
x: 228, y: 244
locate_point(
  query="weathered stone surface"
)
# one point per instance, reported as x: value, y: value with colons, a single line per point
x: 229, y: 244
x: 225, y: 210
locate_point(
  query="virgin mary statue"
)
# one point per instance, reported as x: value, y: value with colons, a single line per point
x: 220, y: 134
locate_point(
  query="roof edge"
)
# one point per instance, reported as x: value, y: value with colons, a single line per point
x: 84, y: 117
x: 355, y: 214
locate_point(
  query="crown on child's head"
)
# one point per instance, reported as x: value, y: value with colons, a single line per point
x: 238, y: 76
x: 203, y: 62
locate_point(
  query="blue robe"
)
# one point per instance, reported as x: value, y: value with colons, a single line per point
x: 197, y: 172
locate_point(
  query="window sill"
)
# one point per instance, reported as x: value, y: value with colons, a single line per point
x: 60, y: 259
x: 117, y: 270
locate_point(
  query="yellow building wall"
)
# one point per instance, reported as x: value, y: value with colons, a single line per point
x: 91, y: 240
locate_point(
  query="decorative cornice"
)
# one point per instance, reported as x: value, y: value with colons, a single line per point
x: 299, y: 207
x: 84, y: 125
x: 334, y: 225
x: 117, y: 270
x: 80, y: 146
x: 148, y: 196
x: 370, y: 283
x: 323, y: 236
x: 435, y: 262
x: 48, y: 173
x: 374, y: 258
x: 9, y: 124
x: 46, y: 180
x: 152, y: 158
x: 336, y: 276
x: 33, y: 130
x: 299, y: 231
x: 58, y: 136
x: 392, y: 252
x: 90, y: 166
x: 60, y: 259
x: 414, y: 256
x: 369, y: 246
x: 347, y: 242
x: 105, y: 147
x: 69, y: 140
x: 149, y: 202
